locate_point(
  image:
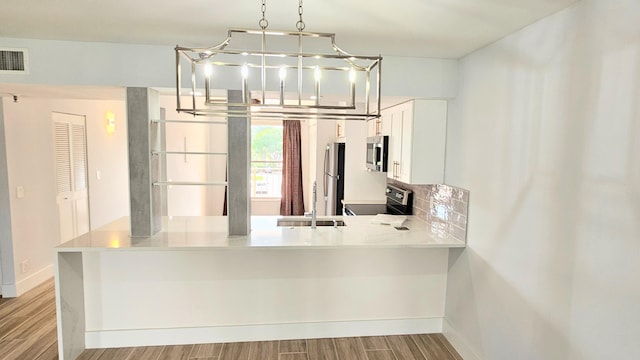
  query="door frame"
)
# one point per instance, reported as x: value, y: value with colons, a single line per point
x: 83, y: 122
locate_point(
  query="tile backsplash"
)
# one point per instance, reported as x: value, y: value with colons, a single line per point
x: 443, y: 207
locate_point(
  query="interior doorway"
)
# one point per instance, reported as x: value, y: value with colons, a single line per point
x: 70, y: 155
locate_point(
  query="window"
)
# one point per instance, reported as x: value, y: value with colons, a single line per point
x: 266, y: 161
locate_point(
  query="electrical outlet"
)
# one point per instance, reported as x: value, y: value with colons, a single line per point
x: 20, y: 192
x: 25, y: 264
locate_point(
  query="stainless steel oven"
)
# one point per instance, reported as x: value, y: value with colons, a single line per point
x: 399, y: 202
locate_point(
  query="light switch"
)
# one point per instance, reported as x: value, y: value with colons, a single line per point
x: 20, y: 192
x: 98, y: 175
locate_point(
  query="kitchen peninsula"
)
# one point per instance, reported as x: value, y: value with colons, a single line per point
x: 193, y: 283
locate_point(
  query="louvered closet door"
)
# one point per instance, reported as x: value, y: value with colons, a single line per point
x: 70, y: 148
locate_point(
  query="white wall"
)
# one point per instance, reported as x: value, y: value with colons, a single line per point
x: 360, y: 184
x: 107, y: 64
x: 29, y: 141
x: 194, y: 200
x: 7, y: 276
x: 545, y: 133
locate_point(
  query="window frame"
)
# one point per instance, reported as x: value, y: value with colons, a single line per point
x: 266, y: 123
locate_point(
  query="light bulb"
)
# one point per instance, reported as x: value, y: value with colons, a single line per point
x: 317, y: 73
x: 283, y: 72
x: 245, y: 71
x: 208, y: 70
x: 352, y: 75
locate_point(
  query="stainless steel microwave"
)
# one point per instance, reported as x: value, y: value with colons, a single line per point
x: 377, y: 153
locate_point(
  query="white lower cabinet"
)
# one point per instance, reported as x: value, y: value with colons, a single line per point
x: 417, y: 141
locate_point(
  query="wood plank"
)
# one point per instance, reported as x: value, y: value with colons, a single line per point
x: 321, y: 349
x: 235, y: 351
x: 8, y: 346
x: 293, y: 346
x: 51, y: 353
x: 91, y: 354
x: 15, y: 304
x: 33, y: 326
x: 146, y: 353
x: 9, y: 324
x: 203, y: 351
x: 37, y: 305
x: 443, y: 340
x: 116, y: 353
x: 374, y: 343
x: 430, y: 348
x: 264, y: 350
x: 380, y: 355
x: 176, y: 352
x: 405, y: 348
x: 32, y: 347
x: 293, y: 356
x: 350, y: 349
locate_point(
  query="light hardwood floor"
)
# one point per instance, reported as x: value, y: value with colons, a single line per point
x: 28, y: 332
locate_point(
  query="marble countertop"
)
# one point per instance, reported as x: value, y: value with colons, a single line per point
x: 211, y: 232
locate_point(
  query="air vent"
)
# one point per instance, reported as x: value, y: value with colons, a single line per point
x: 13, y: 61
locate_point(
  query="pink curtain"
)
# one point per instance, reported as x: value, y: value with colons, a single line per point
x: 292, y: 202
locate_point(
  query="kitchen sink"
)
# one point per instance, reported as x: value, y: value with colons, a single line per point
x: 307, y: 222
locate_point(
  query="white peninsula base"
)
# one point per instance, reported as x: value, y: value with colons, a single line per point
x: 193, y: 284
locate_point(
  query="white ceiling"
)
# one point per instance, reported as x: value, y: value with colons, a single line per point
x: 424, y: 28
x: 421, y: 28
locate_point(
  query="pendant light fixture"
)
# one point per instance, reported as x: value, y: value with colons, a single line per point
x: 281, y: 74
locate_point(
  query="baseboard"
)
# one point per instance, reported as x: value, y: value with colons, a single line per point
x: 34, y: 279
x: 8, y: 291
x: 218, y: 334
x: 461, y: 346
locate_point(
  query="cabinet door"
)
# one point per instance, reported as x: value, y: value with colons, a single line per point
x: 384, y: 125
x: 371, y: 127
x: 429, y: 141
x: 405, y: 112
x: 339, y: 129
x: 375, y: 127
x: 395, y: 142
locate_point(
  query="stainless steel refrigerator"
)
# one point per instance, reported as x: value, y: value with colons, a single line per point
x: 333, y: 184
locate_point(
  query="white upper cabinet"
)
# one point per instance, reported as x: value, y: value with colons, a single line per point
x: 379, y: 126
x: 340, y: 126
x: 417, y: 137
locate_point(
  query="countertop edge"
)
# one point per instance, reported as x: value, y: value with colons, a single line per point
x: 209, y: 233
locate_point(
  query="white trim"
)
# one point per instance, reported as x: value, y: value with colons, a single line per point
x: 8, y: 291
x: 34, y: 280
x: 218, y: 334
x: 458, y: 342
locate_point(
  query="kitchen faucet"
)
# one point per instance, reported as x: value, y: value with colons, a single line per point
x: 314, y: 199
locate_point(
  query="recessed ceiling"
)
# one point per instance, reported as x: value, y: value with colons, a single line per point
x: 423, y: 28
